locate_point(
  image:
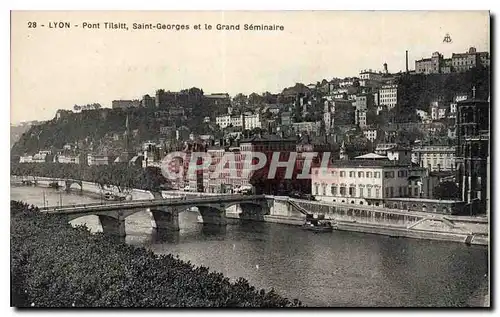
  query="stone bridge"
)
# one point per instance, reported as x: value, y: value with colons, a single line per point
x: 165, y: 212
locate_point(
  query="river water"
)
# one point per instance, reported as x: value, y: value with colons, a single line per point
x: 329, y: 269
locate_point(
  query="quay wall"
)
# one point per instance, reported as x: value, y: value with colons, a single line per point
x: 380, y: 220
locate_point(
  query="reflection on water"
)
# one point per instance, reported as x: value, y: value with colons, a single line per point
x: 332, y: 269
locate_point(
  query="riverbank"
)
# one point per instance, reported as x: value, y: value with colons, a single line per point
x: 394, y: 223
x: 377, y: 220
x: 56, y: 265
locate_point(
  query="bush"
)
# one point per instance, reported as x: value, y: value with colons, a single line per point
x: 55, y: 265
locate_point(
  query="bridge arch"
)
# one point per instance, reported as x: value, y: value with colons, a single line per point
x: 214, y: 213
x: 68, y: 183
x: 115, y: 214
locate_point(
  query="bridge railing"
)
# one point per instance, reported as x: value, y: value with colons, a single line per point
x: 147, y: 203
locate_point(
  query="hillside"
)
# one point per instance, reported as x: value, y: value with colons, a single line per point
x: 418, y: 91
x: 91, y: 129
x: 95, y: 129
x: 16, y: 131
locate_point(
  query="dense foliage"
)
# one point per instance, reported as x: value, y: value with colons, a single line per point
x: 55, y: 265
x: 123, y: 176
x: 418, y: 91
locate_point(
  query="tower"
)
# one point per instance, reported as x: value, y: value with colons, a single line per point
x: 472, y: 152
x: 385, y: 69
x: 343, y: 153
x: 128, y: 154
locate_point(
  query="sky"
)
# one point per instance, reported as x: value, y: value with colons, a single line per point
x: 55, y: 69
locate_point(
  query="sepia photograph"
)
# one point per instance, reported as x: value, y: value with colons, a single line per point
x: 250, y: 159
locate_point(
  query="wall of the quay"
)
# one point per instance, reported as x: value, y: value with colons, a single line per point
x: 472, y: 230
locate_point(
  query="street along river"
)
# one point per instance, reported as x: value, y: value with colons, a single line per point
x: 328, y: 269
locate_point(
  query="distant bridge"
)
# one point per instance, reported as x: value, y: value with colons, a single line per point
x: 61, y: 182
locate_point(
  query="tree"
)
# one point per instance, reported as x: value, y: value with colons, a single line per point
x: 256, y: 131
x: 447, y: 190
x: 240, y: 99
x: 153, y: 178
x: 255, y: 99
x: 409, y: 136
x: 96, y: 270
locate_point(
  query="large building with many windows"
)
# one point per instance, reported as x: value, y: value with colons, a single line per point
x: 246, y: 121
x: 434, y: 157
x: 362, y: 182
x: 388, y: 96
x: 458, y: 62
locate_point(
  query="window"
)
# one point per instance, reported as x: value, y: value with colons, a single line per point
x: 389, y: 174
x: 391, y: 189
x: 361, y: 174
x: 324, y: 189
x: 361, y: 192
x: 352, y: 174
x: 316, y: 188
x: 377, y: 174
x: 400, y: 191
x: 342, y: 190
x: 342, y: 174
x: 369, y: 190
x: 416, y: 191
x: 377, y: 192
x: 352, y: 191
x: 334, y: 190
x: 368, y: 174
x: 334, y: 173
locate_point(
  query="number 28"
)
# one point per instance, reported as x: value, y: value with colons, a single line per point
x: 31, y: 25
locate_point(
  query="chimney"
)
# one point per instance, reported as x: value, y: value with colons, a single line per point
x: 407, y: 61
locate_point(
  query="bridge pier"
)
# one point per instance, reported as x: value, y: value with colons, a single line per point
x: 213, y: 215
x: 165, y: 219
x: 113, y: 226
x: 253, y: 212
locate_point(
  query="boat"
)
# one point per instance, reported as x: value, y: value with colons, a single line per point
x: 317, y: 224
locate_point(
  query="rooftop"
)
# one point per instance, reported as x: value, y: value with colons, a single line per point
x: 267, y: 138
x: 371, y: 156
x: 473, y: 100
x: 367, y: 163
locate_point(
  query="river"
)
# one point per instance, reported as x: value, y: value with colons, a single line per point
x: 339, y: 269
